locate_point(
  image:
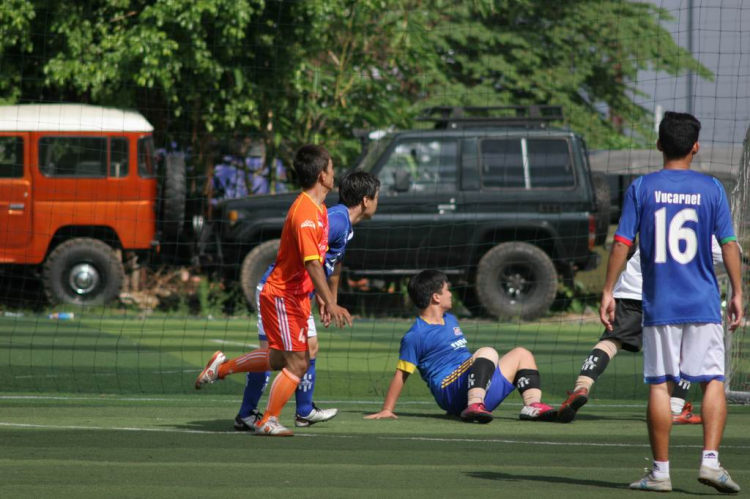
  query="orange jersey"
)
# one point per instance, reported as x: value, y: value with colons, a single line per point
x: 303, y: 238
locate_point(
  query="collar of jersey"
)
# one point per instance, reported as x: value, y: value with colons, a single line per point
x: 441, y: 323
x: 313, y: 201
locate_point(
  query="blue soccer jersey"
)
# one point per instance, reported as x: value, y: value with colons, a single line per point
x: 439, y: 351
x: 340, y: 232
x: 675, y: 213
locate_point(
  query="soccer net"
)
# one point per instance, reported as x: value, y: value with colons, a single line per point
x: 504, y: 135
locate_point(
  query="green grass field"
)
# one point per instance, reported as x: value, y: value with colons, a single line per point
x: 104, y: 407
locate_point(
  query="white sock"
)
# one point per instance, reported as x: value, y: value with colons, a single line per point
x: 710, y: 458
x: 661, y: 469
x: 677, y: 405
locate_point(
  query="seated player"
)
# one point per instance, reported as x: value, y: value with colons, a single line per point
x: 465, y: 385
x: 627, y: 335
x: 358, y: 200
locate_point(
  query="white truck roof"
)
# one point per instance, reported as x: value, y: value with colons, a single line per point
x: 70, y: 118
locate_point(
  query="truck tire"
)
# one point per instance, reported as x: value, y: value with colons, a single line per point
x: 174, y: 195
x: 603, y: 207
x: 83, y: 271
x: 254, y: 266
x: 516, y: 280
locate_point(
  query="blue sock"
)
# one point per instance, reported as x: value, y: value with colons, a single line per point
x: 304, y: 394
x: 254, y: 387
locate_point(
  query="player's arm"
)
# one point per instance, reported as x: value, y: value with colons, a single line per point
x: 339, y: 315
x: 333, y: 281
x: 391, y: 398
x: 730, y: 253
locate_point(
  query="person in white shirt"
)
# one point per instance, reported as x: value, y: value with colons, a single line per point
x: 627, y: 334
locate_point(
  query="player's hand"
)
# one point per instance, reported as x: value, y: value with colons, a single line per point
x: 735, y: 312
x: 325, y: 316
x: 384, y: 414
x: 607, y: 311
x: 339, y: 315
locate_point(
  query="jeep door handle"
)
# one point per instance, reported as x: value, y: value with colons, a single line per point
x: 17, y: 206
x: 442, y: 208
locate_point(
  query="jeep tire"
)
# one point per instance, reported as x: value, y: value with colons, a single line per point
x: 83, y: 271
x: 603, y: 207
x: 254, y: 266
x: 516, y: 280
x: 174, y: 195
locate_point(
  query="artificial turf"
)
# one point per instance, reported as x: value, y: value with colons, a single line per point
x: 104, y: 407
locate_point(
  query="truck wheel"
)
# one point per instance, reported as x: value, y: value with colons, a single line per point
x: 254, y: 266
x: 83, y: 271
x: 174, y: 194
x: 516, y: 280
x: 603, y: 207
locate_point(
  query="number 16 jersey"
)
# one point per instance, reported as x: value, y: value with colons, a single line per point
x: 675, y: 213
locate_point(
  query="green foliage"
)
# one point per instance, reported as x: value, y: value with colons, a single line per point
x: 313, y: 71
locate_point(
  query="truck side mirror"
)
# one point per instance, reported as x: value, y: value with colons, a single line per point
x: 402, y: 180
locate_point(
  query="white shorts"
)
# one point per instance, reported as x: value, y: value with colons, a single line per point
x: 311, y: 331
x: 694, y: 352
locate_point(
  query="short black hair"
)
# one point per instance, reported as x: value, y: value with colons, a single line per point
x: 357, y: 185
x: 678, y: 132
x: 309, y: 161
x: 423, y: 285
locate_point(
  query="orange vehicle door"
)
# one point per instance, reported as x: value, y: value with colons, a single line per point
x: 15, y: 193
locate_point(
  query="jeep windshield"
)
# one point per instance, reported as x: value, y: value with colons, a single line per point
x: 375, y: 150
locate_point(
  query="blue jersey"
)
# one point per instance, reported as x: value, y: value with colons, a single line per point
x: 340, y: 232
x: 675, y: 213
x: 439, y: 352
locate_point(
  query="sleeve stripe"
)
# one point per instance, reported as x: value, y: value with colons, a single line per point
x: 623, y: 240
x: 728, y: 239
x: 406, y: 366
x: 311, y: 257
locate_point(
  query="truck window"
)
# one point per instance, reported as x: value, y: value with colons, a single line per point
x: 550, y: 163
x: 502, y: 163
x: 78, y: 157
x: 118, y: 157
x: 11, y: 157
x: 431, y: 166
x: 146, y: 159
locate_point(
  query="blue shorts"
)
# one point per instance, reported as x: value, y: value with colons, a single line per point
x: 454, y: 397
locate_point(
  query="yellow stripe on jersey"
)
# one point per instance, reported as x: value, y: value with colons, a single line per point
x: 456, y: 374
x: 311, y: 257
x: 406, y: 366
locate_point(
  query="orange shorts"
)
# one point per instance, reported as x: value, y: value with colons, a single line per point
x: 284, y: 320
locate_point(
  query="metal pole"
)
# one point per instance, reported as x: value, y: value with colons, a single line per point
x: 690, y: 49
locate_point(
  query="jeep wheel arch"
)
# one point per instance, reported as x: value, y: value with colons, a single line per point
x: 516, y: 279
x: 83, y: 271
x: 254, y: 265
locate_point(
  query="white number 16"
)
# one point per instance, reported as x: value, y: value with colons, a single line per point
x: 676, y: 234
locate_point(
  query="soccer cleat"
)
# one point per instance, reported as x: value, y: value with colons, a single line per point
x: 272, y: 428
x: 648, y: 482
x: 538, y: 412
x: 687, y: 416
x: 478, y: 413
x: 717, y: 478
x: 572, y: 404
x: 248, y: 423
x: 316, y: 416
x: 211, y: 372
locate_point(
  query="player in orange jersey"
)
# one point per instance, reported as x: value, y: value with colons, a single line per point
x: 285, y: 299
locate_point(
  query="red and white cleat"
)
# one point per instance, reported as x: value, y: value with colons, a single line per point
x: 478, y: 413
x: 572, y: 404
x: 538, y: 412
x: 211, y: 371
x: 686, y: 416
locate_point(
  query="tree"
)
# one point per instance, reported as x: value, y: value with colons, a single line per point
x: 584, y: 55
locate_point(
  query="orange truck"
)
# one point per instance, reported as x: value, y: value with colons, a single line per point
x: 79, y: 188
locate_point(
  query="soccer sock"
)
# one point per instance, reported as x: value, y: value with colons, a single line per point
x: 480, y: 377
x: 529, y: 385
x: 304, y: 393
x: 256, y: 361
x: 254, y: 387
x: 282, y: 389
x: 679, y: 395
x: 710, y: 458
x: 661, y: 469
x: 596, y: 363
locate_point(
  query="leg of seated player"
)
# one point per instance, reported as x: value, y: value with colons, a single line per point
x: 483, y: 367
x: 307, y: 413
x: 520, y: 366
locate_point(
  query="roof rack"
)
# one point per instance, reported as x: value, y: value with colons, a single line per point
x: 446, y: 117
